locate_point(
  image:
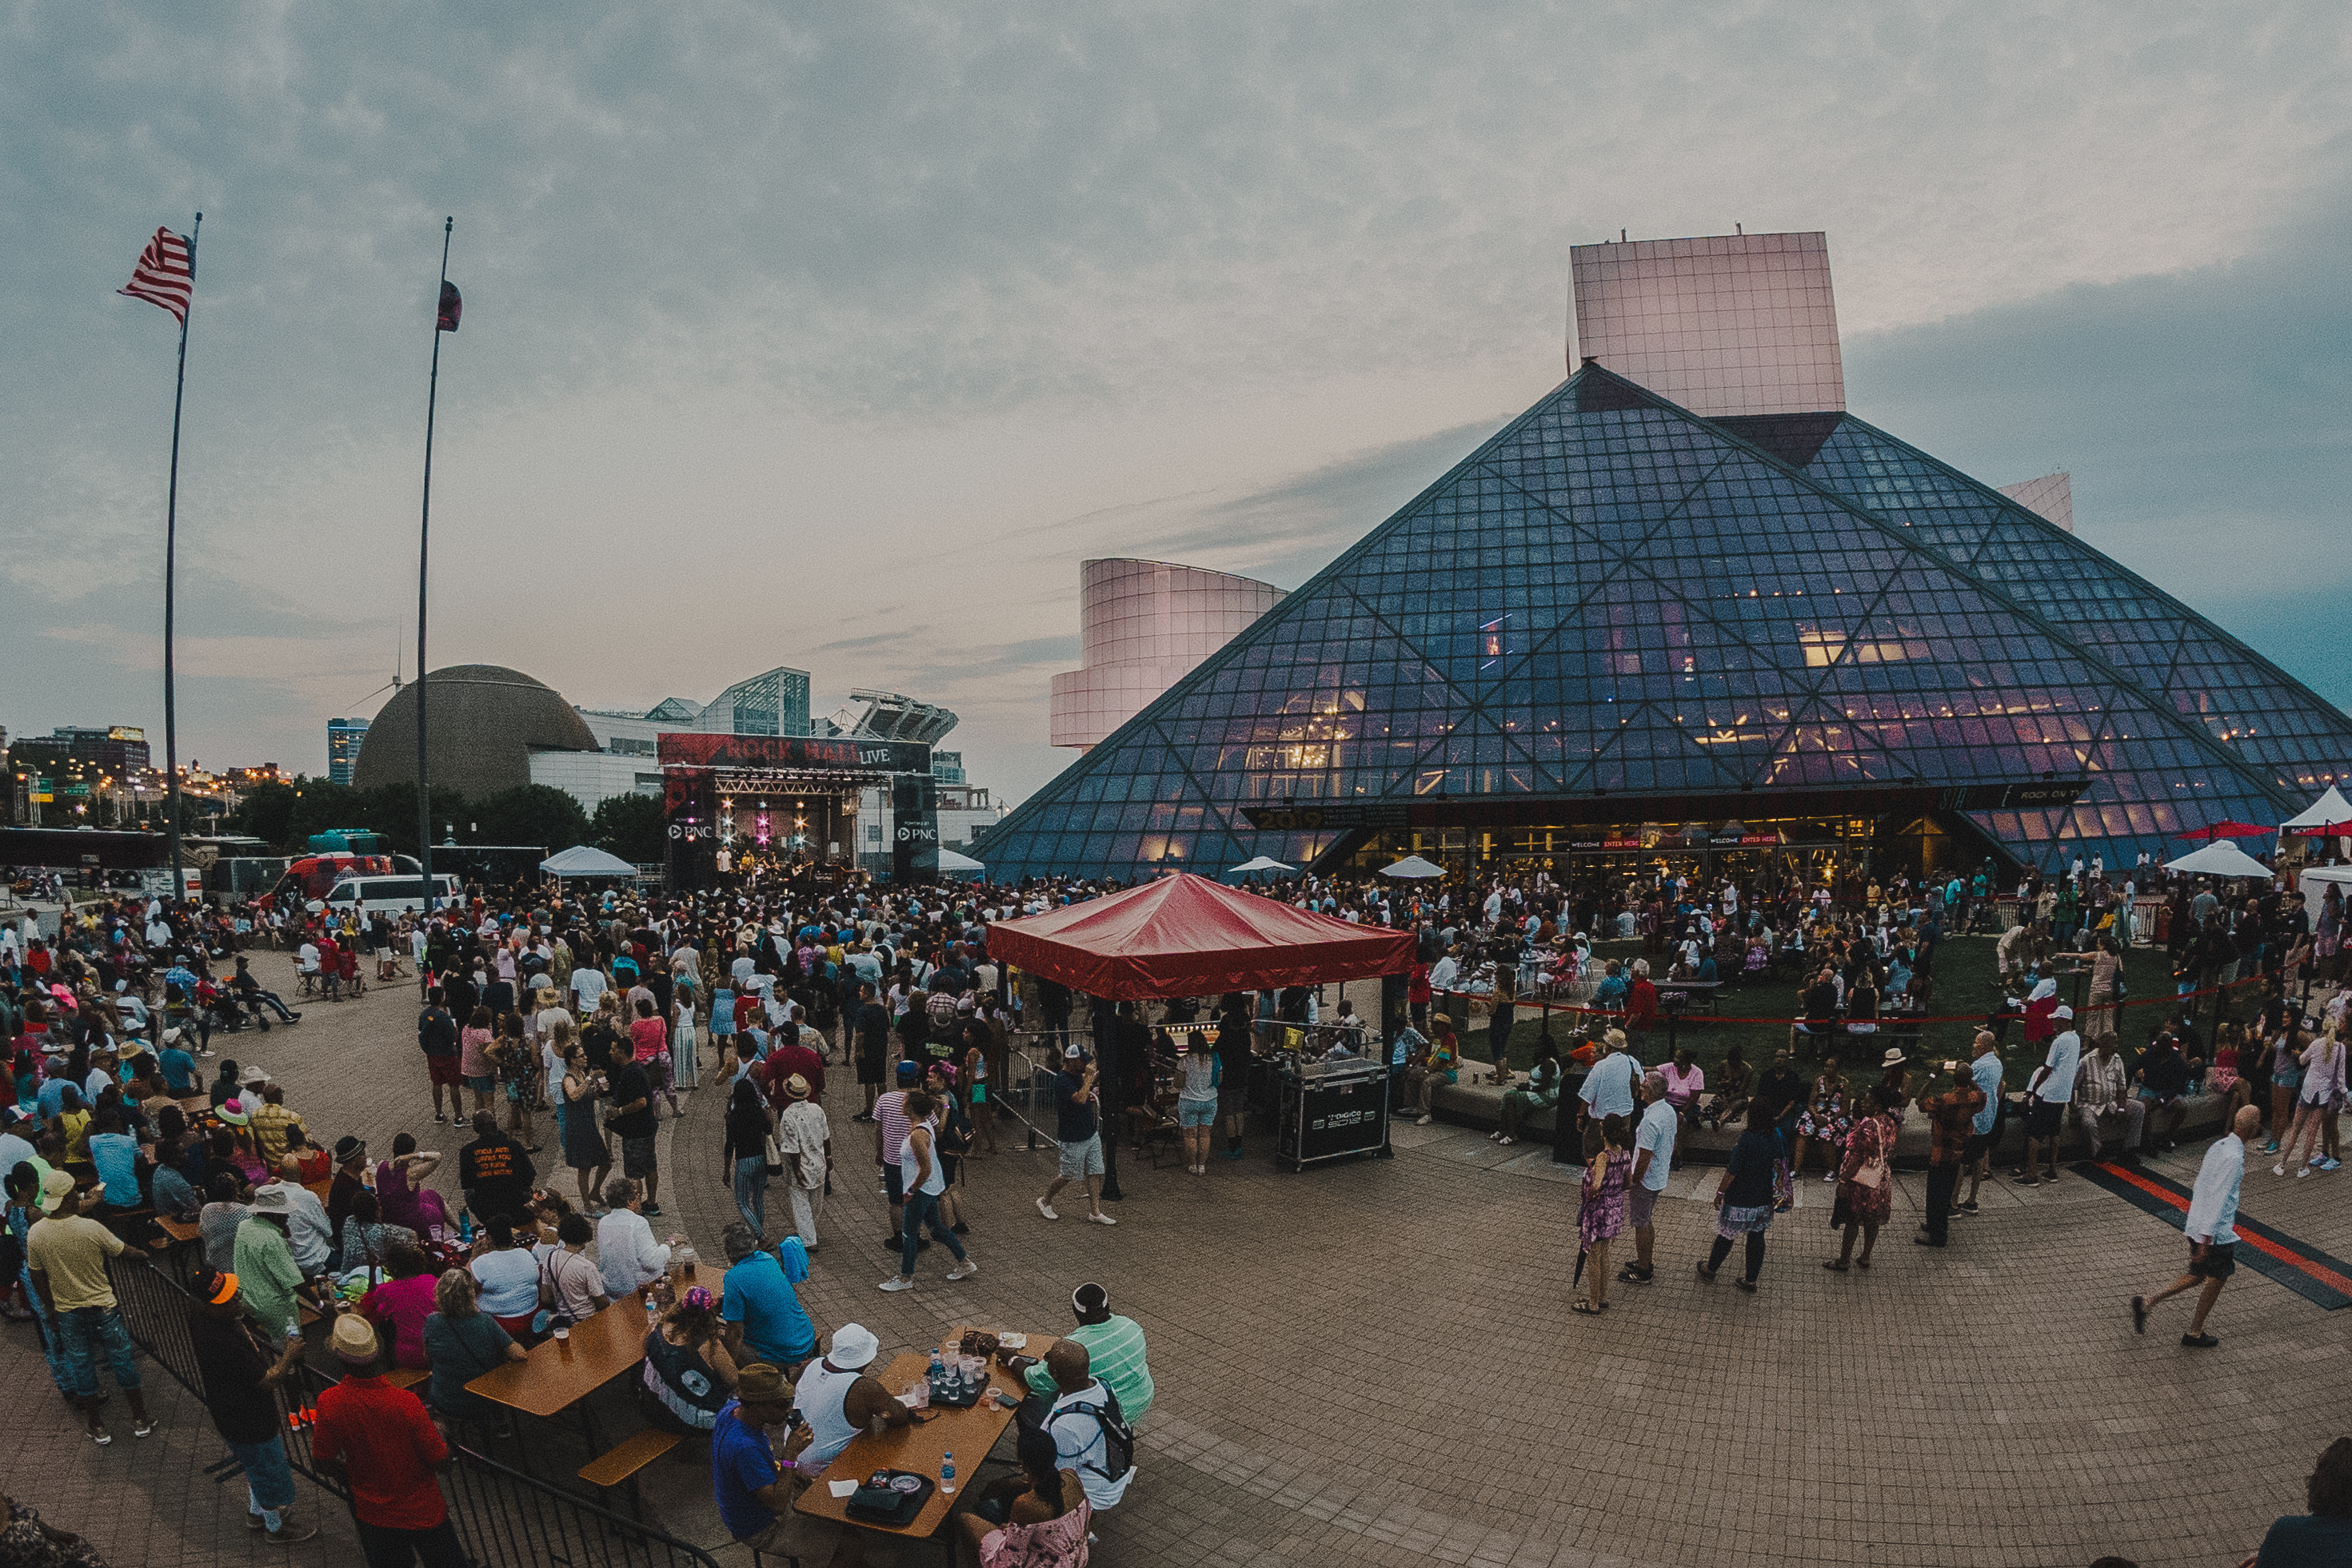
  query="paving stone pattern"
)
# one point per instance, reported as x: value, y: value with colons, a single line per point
x: 1374, y: 1363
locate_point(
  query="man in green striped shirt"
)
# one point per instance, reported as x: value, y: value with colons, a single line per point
x: 1114, y: 1345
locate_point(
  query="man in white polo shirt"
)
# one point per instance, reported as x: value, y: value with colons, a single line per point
x: 2052, y: 1088
x: 1653, y: 1158
x: 1608, y: 1088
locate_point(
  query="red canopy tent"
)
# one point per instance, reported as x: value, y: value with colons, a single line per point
x: 2228, y: 831
x: 1185, y: 936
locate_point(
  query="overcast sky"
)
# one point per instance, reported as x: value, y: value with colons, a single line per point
x: 839, y: 340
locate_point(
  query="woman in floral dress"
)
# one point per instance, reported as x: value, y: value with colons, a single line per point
x: 1600, y: 1213
x: 1865, y: 1180
x: 1823, y: 1120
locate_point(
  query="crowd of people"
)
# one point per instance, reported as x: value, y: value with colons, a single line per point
x: 601, y: 1012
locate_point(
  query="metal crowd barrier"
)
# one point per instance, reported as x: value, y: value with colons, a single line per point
x: 504, y: 1518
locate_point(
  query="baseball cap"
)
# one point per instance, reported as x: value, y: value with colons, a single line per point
x: 56, y: 1187
x: 2063, y: 1013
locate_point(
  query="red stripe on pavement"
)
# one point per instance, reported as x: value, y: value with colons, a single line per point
x: 2287, y: 1255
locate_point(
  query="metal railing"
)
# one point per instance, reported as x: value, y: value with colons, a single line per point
x: 505, y: 1518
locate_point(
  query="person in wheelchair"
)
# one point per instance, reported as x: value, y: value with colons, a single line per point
x: 247, y: 990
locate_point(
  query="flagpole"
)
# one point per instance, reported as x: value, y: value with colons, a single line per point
x: 171, y: 578
x: 424, y: 543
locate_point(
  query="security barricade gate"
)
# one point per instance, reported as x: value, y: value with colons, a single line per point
x: 504, y: 1518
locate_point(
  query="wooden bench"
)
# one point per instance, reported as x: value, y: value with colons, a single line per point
x: 621, y: 1465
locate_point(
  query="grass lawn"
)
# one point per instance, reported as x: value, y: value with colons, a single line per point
x: 1964, y: 986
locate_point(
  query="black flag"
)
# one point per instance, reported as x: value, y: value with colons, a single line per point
x: 452, y: 306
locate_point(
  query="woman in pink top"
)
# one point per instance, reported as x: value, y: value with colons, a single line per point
x: 1045, y: 1526
x: 1685, y: 1080
x: 402, y: 1303
x: 474, y: 1061
x: 649, y: 1044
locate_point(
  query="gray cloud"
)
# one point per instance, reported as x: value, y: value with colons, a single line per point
x: 801, y: 319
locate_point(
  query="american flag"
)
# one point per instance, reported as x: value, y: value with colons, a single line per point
x: 165, y: 276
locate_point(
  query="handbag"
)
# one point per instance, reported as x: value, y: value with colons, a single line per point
x: 774, y: 1156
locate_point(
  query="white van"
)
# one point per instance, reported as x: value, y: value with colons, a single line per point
x: 386, y: 894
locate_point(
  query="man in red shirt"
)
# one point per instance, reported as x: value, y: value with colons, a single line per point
x: 1640, y: 1010
x: 786, y: 1056
x: 385, y: 1448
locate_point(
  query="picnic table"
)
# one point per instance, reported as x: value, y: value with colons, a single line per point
x: 558, y: 1373
x: 938, y: 1432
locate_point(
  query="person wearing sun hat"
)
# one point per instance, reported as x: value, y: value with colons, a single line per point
x: 382, y: 1444
x: 264, y: 1260
x: 755, y: 1486
x: 239, y: 1391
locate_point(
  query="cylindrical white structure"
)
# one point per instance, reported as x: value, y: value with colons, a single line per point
x: 1143, y: 625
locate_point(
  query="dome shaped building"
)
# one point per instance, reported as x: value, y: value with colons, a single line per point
x: 483, y: 723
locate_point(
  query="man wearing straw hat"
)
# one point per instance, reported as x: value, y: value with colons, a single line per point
x: 755, y: 1487
x: 379, y: 1441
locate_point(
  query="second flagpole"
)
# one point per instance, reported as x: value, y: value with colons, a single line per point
x: 423, y: 547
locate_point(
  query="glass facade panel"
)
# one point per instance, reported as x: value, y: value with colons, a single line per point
x: 1616, y: 595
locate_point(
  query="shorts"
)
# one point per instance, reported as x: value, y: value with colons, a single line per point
x: 894, y: 1183
x: 2220, y: 1262
x: 1641, y: 1202
x: 869, y: 1068
x: 480, y: 1084
x: 1196, y: 1113
x: 444, y: 1069
x: 637, y: 1157
x: 1082, y: 1159
x: 2042, y: 1122
x: 1979, y: 1144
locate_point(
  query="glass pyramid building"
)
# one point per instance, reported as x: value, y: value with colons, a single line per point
x: 1620, y: 627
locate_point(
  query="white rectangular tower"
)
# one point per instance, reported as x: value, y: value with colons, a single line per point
x: 1724, y: 324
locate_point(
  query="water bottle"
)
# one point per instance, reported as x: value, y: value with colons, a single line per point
x: 653, y: 1310
x: 936, y: 1366
x: 947, y: 1475
x: 465, y: 1227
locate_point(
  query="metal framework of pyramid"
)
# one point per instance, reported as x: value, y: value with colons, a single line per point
x: 1616, y: 600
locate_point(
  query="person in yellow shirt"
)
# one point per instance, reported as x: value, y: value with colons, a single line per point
x: 270, y: 1121
x: 73, y: 1121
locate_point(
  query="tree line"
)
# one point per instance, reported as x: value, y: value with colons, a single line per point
x: 286, y: 815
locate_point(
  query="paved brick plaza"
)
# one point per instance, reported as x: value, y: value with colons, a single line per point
x: 1374, y: 1364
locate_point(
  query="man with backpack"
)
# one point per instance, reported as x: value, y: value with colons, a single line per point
x: 1089, y: 1433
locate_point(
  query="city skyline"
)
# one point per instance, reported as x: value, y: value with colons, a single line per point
x: 839, y: 344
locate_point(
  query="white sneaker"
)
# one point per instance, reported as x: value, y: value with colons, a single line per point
x: 899, y: 1282
x: 964, y: 1270
x: 1424, y: 1121
x: 1099, y: 1217
x: 2303, y: 1173
x: 1046, y: 1209
x: 2278, y: 1170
